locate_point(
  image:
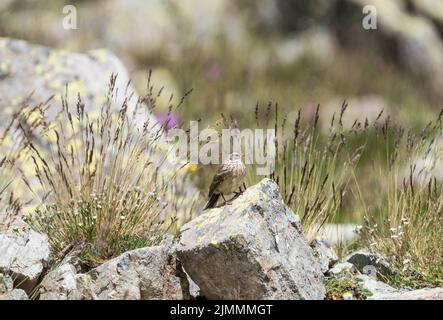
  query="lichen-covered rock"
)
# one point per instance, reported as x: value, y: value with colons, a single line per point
x: 420, y: 294
x: 361, y: 259
x: 24, y: 255
x: 28, y: 68
x: 324, y: 253
x: 15, y: 294
x: 141, y: 274
x: 253, y: 248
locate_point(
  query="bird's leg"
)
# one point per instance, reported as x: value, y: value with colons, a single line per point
x: 240, y: 190
x: 224, y: 199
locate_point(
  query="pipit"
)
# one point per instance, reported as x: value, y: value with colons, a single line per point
x: 228, y: 179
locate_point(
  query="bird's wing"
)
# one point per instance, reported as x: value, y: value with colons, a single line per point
x: 222, y: 173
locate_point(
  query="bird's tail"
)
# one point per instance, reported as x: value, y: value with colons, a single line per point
x: 212, y: 201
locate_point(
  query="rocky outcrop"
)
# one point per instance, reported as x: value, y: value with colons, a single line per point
x: 33, y: 74
x: 15, y: 294
x: 341, y: 269
x: 419, y: 294
x: 141, y: 274
x: 365, y: 269
x: 23, y: 255
x: 361, y: 259
x: 375, y: 287
x: 7, y: 291
x: 253, y: 248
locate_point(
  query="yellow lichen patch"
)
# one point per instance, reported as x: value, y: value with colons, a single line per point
x: 215, y: 243
x: 8, y: 110
x: 53, y: 59
x: 93, y: 115
x: 40, y: 68
x: 16, y: 101
x: 74, y: 144
x: 191, y: 168
x: 55, y: 62
x: 7, y: 142
x: 77, y: 87
x: 28, y: 168
x: 56, y: 85
x: 50, y: 136
x: 5, y: 65
x: 99, y: 99
x: 209, y: 218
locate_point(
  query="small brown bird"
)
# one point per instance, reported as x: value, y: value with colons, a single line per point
x: 228, y: 179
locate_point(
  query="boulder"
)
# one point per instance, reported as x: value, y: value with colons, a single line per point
x: 32, y: 74
x: 324, y: 253
x: 6, y: 283
x: 61, y: 284
x: 377, y: 288
x: 341, y: 269
x: 15, y: 294
x: 35, y: 73
x: 141, y: 274
x: 253, y: 248
x: 420, y: 294
x: 361, y: 259
x: 24, y: 255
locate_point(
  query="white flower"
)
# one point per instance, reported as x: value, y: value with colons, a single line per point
x: 347, y: 296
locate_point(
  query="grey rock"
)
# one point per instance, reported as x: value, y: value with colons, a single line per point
x: 6, y: 283
x: 61, y: 284
x: 370, y: 271
x: 420, y: 294
x: 24, y: 256
x: 252, y: 248
x: 377, y: 288
x: 361, y: 259
x: 16, y: 294
x: 341, y: 269
x: 45, y: 72
x: 324, y: 253
x: 141, y: 274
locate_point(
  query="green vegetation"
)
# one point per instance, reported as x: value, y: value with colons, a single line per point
x: 103, y: 189
x: 12, y: 145
x: 346, y: 287
x: 404, y: 220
